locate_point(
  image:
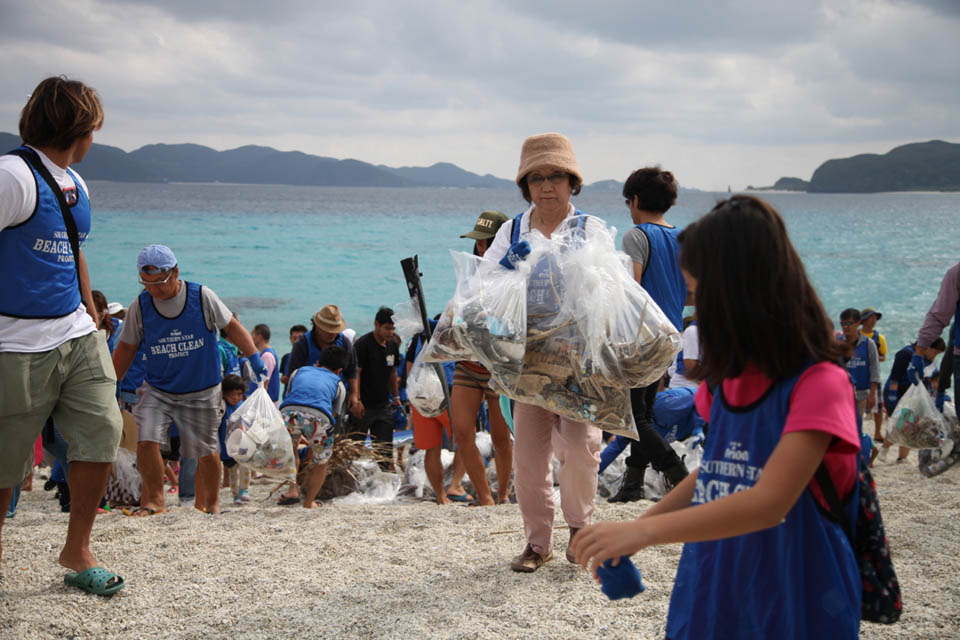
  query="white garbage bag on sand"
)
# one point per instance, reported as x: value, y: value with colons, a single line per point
x: 690, y: 452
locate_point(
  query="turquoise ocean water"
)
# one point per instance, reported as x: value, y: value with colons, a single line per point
x: 276, y: 254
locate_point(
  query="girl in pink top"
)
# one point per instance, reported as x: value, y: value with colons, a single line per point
x: 778, y: 405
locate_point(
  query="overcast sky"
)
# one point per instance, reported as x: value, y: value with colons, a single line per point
x: 720, y: 91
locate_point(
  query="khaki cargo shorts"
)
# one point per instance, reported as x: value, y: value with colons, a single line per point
x: 76, y: 385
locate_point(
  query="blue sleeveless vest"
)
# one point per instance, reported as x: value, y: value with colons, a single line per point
x: 798, y: 580
x: 956, y: 328
x: 182, y: 353
x: 662, y: 278
x: 859, y: 365
x: 39, y: 272
x: 229, y: 361
x: 544, y: 291
x: 314, y: 352
x: 273, y: 384
x: 313, y: 387
x: 674, y: 415
x: 138, y: 369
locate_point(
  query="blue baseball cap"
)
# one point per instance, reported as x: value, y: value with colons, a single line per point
x: 155, y: 258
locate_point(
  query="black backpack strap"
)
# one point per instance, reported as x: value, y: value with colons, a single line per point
x: 30, y: 157
x: 829, y: 492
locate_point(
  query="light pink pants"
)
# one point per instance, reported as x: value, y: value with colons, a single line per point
x: 538, y: 436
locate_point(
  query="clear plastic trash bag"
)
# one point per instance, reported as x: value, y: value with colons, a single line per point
x: 258, y: 439
x: 406, y: 319
x: 486, y: 320
x: 552, y: 378
x: 626, y: 336
x: 915, y: 422
x: 425, y: 389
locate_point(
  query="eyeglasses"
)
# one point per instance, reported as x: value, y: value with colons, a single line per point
x: 156, y: 283
x: 554, y: 178
x: 848, y: 323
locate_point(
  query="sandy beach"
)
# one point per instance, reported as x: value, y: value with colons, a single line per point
x: 402, y: 570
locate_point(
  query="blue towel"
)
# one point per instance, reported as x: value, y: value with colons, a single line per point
x: 621, y: 581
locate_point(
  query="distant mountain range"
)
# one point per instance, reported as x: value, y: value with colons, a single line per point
x: 919, y: 166
x: 259, y: 165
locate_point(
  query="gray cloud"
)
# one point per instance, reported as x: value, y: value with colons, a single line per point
x: 405, y: 83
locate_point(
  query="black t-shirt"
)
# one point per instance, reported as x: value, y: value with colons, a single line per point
x: 376, y: 364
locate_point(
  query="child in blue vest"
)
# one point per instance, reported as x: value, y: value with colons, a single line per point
x: 762, y: 558
x: 863, y: 363
x: 908, y: 368
x: 232, y: 388
x: 311, y: 410
x: 261, y: 340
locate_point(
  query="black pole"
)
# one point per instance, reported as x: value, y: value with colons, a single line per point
x: 411, y: 273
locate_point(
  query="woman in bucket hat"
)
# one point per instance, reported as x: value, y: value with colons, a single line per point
x: 548, y: 177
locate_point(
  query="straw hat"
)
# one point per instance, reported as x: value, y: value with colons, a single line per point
x: 329, y: 319
x: 548, y: 150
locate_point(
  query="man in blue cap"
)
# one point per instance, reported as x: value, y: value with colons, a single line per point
x: 177, y: 321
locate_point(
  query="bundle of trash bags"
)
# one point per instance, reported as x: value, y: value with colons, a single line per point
x: 568, y: 329
x: 258, y: 439
x: 915, y: 422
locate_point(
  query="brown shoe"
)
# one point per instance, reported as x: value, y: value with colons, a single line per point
x: 529, y: 561
x: 570, y: 557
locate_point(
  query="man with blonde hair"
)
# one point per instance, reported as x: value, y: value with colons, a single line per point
x: 53, y: 361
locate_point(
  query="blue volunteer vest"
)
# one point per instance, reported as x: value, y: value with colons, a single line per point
x: 136, y: 372
x: 956, y: 328
x: 662, y: 278
x: 37, y: 263
x: 182, y: 353
x: 313, y: 353
x: 674, y: 415
x: 798, y: 580
x: 229, y: 360
x: 273, y: 384
x: 313, y: 387
x: 859, y: 365
x: 544, y: 290
x: 222, y: 430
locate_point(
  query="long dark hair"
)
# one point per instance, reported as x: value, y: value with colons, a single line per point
x: 755, y: 304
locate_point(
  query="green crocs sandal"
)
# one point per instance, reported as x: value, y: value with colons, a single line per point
x: 95, y: 580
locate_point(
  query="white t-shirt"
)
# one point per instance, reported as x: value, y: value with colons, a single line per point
x: 501, y: 242
x: 18, y: 197
x: 690, y: 342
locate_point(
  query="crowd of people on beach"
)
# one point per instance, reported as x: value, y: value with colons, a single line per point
x: 762, y: 379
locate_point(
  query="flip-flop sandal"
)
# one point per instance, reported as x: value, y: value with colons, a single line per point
x: 95, y: 580
x: 286, y: 501
x: 463, y: 497
x: 134, y: 512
